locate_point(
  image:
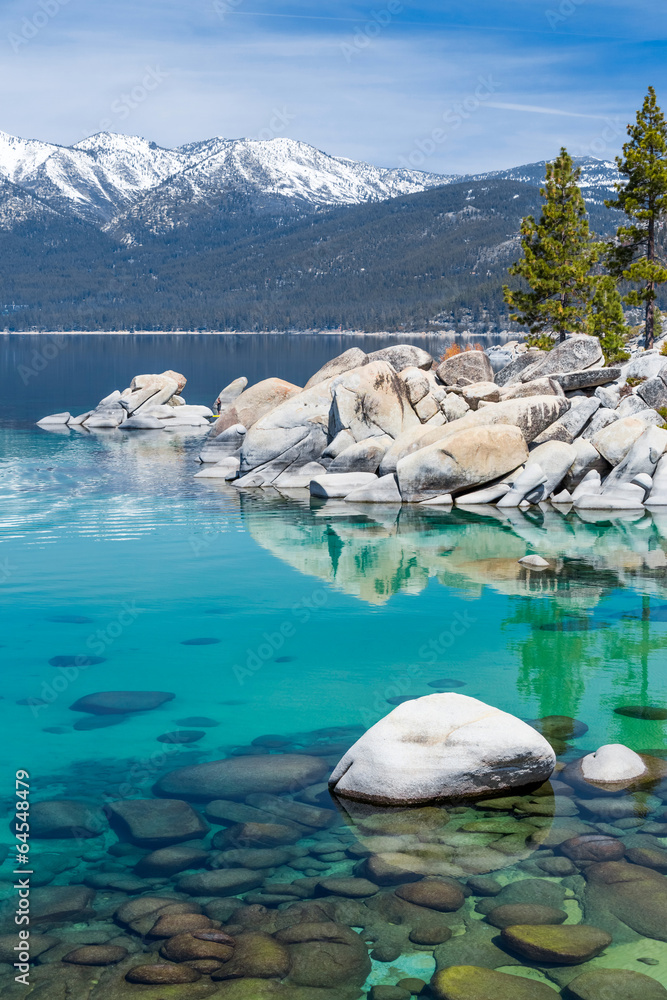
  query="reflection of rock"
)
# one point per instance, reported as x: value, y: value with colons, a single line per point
x: 442, y: 746
x: 401, y: 549
x: 404, y: 845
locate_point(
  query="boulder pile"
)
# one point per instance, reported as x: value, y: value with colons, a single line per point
x: 512, y: 426
x: 150, y: 402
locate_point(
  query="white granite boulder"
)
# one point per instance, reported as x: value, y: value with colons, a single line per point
x: 371, y: 401
x: 460, y: 461
x: 612, y: 762
x: 442, y: 746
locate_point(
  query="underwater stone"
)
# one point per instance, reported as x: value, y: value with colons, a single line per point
x: 469, y: 982
x: 241, y: 776
x: 567, y: 945
x: 120, y: 702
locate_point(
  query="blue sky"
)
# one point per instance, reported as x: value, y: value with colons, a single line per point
x: 454, y: 87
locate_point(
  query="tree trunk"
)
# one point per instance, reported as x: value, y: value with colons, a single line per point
x: 650, y: 290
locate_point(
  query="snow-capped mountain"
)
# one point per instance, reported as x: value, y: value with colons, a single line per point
x: 127, y: 183
x: 597, y: 181
x: 106, y: 174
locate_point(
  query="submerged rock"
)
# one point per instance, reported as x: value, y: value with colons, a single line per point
x: 235, y: 778
x: 566, y: 945
x: 156, y: 822
x: 470, y: 982
x: 121, y: 702
x: 614, y: 984
x: 441, y: 746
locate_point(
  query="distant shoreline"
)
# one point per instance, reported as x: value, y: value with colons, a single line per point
x: 506, y: 334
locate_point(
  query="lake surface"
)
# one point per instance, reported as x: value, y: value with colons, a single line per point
x: 317, y: 618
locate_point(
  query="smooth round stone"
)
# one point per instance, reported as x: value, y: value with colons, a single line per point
x: 615, y: 984
x: 560, y: 727
x: 205, y: 641
x: 433, y: 893
x: 223, y: 882
x: 186, y: 946
x: 446, y: 682
x: 612, y: 809
x: 197, y: 721
x: 258, y: 834
x: 649, y: 712
x: 170, y: 860
x: 484, y: 885
x: 471, y: 982
x: 398, y: 699
x: 388, y: 993
x: 270, y: 741
x: 556, y: 867
x: 241, y: 776
x: 566, y: 945
x: 353, y: 888
x: 156, y: 822
x: 74, y: 660
x: 181, y: 736
x: 121, y: 702
x: 648, y: 857
x: 253, y: 858
x: 39, y: 943
x: 96, y: 954
x: 325, y: 954
x: 162, y: 974
x: 170, y: 924
x: 593, y: 847
x: 412, y: 985
x: 430, y: 933
x: 524, y: 913
x: 256, y: 954
x: 64, y: 819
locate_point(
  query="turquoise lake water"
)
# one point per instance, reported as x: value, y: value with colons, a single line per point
x: 322, y: 613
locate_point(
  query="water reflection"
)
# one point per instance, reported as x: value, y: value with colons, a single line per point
x: 374, y: 552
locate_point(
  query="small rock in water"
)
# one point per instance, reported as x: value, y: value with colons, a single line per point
x: 270, y: 741
x: 99, y: 954
x: 162, y: 974
x: 181, y: 736
x: 76, y: 661
x: 70, y: 619
x: 446, y: 682
x: 200, y: 642
x: 400, y: 698
x: 533, y: 562
x: 565, y: 944
x: 120, y: 702
x: 99, y: 722
x: 284, y: 659
x: 198, y: 720
x: 650, y: 712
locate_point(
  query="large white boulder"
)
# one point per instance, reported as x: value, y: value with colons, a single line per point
x: 574, y: 354
x: 442, y: 746
x: 371, y: 401
x: 251, y: 404
x: 473, y: 456
x: 295, y: 430
x: 616, y: 439
x: 642, y: 458
x: 352, y: 358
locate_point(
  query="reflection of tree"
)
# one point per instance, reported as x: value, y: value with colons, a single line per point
x: 632, y: 644
x: 555, y: 656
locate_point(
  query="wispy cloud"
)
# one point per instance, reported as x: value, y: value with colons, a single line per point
x: 538, y: 110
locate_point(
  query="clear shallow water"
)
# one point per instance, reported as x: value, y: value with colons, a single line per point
x: 322, y: 613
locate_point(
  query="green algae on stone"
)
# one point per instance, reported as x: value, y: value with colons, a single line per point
x: 469, y: 982
x: 614, y: 984
x: 567, y: 945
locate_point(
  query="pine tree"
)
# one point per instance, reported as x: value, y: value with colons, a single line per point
x: 643, y: 198
x: 558, y: 254
x: 607, y: 320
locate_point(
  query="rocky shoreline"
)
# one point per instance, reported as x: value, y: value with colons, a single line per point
x: 509, y: 426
